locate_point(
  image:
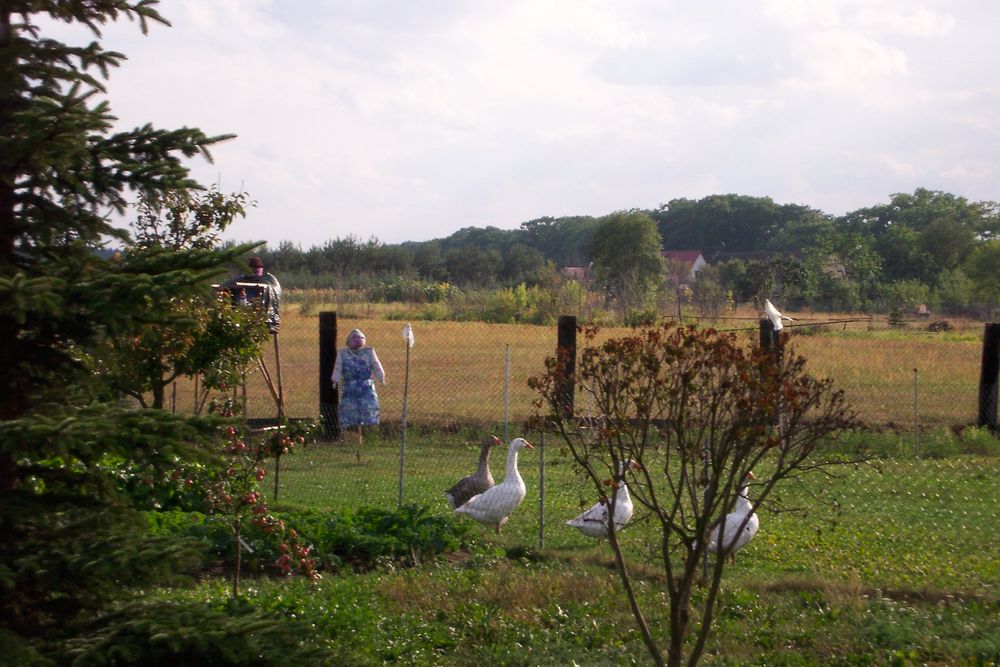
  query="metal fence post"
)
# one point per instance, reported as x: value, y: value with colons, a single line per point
x: 989, y: 375
x: 916, y: 413
x: 541, y: 490
x: 328, y: 394
x: 506, y: 395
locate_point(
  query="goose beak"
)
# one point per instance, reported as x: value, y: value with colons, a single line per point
x: 528, y: 445
x: 751, y: 475
x: 496, y: 441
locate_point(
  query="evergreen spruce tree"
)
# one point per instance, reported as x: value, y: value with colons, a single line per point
x: 71, y: 547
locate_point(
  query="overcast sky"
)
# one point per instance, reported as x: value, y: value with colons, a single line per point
x: 405, y: 120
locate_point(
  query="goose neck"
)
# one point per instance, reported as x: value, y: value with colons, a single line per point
x: 484, y: 457
x: 743, y: 503
x: 512, y: 461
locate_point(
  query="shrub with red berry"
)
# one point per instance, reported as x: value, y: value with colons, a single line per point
x: 236, y: 496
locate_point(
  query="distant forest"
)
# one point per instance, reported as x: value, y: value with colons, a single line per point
x: 928, y: 247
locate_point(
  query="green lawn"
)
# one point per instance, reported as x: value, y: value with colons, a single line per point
x: 896, y: 523
x: 896, y: 562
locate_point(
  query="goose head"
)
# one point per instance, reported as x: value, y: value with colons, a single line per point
x: 520, y: 443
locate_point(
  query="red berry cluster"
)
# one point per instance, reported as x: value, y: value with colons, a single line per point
x: 297, y: 557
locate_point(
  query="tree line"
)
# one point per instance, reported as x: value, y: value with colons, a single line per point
x: 927, y: 247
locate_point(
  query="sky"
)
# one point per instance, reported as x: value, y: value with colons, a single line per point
x: 406, y: 121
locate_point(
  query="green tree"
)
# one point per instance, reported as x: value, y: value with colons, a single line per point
x: 566, y: 241
x: 922, y: 235
x: 983, y: 268
x: 524, y: 264
x: 70, y: 545
x: 473, y: 265
x: 677, y: 277
x: 845, y: 269
x: 626, y: 253
x: 710, y: 293
x: 956, y: 291
x: 731, y: 223
x: 802, y: 228
x: 777, y: 278
x: 188, y: 333
x: 428, y: 260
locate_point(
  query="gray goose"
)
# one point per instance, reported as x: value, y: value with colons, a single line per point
x: 476, y: 483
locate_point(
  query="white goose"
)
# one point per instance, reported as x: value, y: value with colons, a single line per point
x: 775, y: 315
x: 594, y: 522
x: 738, y: 529
x: 495, y: 505
x: 477, y: 482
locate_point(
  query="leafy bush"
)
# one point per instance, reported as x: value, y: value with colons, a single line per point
x: 365, y: 537
x: 150, y: 488
x: 171, y: 633
x: 501, y: 307
x: 979, y: 440
x: 409, y: 290
x: 361, y: 538
x: 640, y: 318
x: 938, y: 444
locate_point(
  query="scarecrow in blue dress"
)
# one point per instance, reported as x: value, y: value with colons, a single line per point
x: 355, y: 371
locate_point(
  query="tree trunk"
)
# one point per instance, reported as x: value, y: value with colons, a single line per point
x: 238, y: 562
x: 159, y: 395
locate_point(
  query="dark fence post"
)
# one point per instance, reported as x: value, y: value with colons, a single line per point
x: 566, y: 355
x: 989, y: 375
x: 328, y: 395
x: 771, y: 342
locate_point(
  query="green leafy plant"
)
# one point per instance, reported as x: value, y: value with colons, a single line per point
x: 980, y: 440
x: 360, y: 539
x: 151, y: 487
x: 190, y: 633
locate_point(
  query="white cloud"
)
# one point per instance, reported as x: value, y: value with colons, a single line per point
x: 408, y: 121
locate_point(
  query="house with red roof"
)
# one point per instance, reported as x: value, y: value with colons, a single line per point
x: 692, y: 259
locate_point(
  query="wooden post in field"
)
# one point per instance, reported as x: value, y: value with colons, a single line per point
x: 989, y: 375
x: 770, y: 341
x: 329, y: 398
x: 566, y: 355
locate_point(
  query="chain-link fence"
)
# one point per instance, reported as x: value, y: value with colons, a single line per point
x: 473, y: 373
x: 919, y: 516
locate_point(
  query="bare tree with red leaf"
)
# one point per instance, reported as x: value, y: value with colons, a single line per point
x: 697, y: 410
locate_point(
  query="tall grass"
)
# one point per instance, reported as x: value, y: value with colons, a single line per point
x: 905, y: 380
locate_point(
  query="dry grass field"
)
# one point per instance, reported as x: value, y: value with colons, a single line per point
x: 476, y: 373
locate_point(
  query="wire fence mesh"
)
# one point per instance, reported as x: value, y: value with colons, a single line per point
x: 474, y: 373
x: 920, y: 516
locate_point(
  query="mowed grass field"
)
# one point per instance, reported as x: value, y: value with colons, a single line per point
x: 896, y: 562
x: 473, y: 372
x: 903, y: 524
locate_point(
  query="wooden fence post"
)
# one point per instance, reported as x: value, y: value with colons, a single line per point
x: 566, y: 354
x: 771, y: 341
x: 989, y: 375
x: 329, y: 398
